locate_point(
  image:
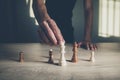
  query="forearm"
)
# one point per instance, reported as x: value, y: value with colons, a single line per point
x: 88, y: 25
x: 40, y: 10
x: 88, y: 10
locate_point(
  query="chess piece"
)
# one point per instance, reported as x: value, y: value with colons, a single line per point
x: 75, y: 53
x: 50, y: 57
x: 62, y: 61
x: 21, y: 57
x: 92, y: 56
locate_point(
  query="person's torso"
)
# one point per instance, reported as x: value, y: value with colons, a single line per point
x: 62, y: 7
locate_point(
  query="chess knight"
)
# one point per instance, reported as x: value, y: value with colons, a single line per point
x: 62, y: 61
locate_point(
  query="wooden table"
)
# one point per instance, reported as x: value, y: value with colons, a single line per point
x: 35, y: 66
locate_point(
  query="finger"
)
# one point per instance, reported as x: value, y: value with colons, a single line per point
x: 95, y: 47
x: 79, y: 44
x: 56, y: 31
x: 49, y: 33
x: 43, y: 36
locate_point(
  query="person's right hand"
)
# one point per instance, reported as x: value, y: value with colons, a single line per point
x: 48, y: 30
x: 50, y: 33
x: 87, y: 45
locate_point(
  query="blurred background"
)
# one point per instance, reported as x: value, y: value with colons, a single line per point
x: 18, y: 24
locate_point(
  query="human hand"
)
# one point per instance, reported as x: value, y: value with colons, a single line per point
x: 87, y: 45
x: 50, y: 33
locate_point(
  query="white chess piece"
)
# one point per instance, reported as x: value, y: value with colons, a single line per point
x: 62, y: 61
x: 92, y: 57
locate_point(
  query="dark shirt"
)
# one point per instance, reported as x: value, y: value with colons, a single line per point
x: 60, y: 8
x: 61, y: 12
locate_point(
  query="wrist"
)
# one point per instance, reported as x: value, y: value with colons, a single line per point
x: 45, y: 17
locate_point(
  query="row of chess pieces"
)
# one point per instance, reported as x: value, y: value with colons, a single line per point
x: 74, y: 59
x: 62, y: 60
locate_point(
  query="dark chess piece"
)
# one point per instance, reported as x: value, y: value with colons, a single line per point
x: 75, y: 53
x: 21, y: 57
x: 50, y: 57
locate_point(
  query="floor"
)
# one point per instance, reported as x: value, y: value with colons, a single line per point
x: 35, y: 66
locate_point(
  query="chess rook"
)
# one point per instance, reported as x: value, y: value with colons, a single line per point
x: 75, y: 53
x: 50, y: 57
x: 21, y: 57
x: 62, y: 61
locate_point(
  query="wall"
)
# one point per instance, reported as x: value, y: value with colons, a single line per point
x: 15, y: 23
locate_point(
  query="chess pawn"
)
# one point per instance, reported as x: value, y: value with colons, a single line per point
x: 92, y: 57
x: 50, y: 57
x: 75, y: 53
x: 21, y: 57
x: 62, y: 61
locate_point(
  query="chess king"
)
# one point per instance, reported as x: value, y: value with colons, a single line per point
x: 62, y: 61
